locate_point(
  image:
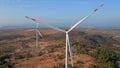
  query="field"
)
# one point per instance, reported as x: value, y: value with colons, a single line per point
x: 92, y: 48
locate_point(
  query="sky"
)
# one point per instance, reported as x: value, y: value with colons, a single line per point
x: 60, y: 13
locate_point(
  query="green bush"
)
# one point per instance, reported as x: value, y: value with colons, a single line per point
x: 61, y: 56
x: 41, y: 53
x: 6, y: 65
x: 106, y: 57
x: 19, y: 56
x: 29, y: 55
x: 3, y: 63
x: 11, y: 37
x: 93, y: 66
x: 3, y: 57
x: 55, y: 67
x: 80, y: 62
x: 63, y: 66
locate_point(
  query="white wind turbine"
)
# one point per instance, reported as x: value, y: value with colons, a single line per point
x: 68, y: 44
x: 37, y: 33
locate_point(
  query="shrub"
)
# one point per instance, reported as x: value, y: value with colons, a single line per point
x: 61, y: 56
x: 19, y: 56
x: 6, y: 65
x: 80, y: 62
x: 41, y: 53
x: 3, y: 63
x: 3, y: 57
x: 93, y: 66
x: 29, y: 55
x: 55, y: 67
x: 63, y: 66
x: 106, y: 56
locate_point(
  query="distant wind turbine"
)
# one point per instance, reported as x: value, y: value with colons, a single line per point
x: 37, y: 33
x: 68, y: 43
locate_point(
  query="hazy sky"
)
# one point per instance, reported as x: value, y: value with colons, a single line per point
x: 59, y: 12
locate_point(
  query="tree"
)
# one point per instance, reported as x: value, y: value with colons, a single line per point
x: 106, y: 56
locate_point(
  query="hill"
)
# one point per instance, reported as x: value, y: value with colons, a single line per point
x: 92, y: 48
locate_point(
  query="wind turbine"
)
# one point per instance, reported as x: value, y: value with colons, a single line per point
x: 37, y: 33
x: 68, y: 43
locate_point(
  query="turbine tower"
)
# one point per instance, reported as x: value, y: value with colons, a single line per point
x: 68, y: 43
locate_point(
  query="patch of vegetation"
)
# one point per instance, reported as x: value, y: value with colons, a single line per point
x: 52, y: 49
x: 93, y: 66
x: 63, y: 66
x: 19, y: 56
x: 55, y: 67
x: 100, y: 40
x: 41, y: 53
x: 7, y: 49
x: 29, y: 55
x: 4, y: 63
x: 11, y: 37
x: 106, y: 56
x: 3, y: 57
x: 81, y: 48
x: 80, y: 62
x: 61, y: 56
x: 23, y: 55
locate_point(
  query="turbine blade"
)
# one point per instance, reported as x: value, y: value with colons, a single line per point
x: 37, y: 21
x: 70, y: 51
x: 84, y: 18
x: 40, y: 33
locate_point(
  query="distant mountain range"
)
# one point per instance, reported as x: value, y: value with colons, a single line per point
x: 24, y: 27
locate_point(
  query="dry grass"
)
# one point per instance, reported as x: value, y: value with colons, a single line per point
x: 50, y: 52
